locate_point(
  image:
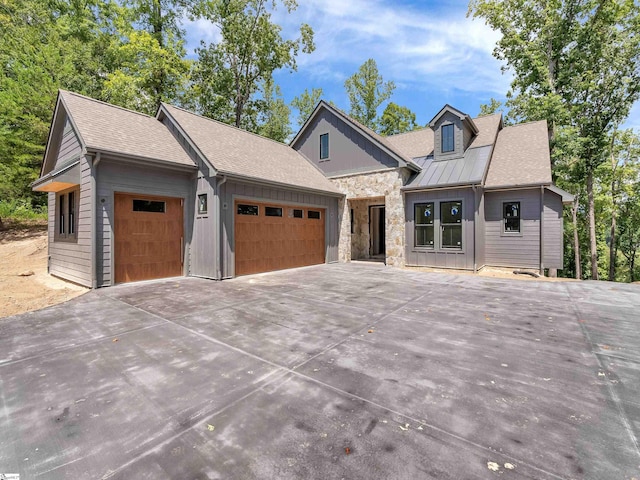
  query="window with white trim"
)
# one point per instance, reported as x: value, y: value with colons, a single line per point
x: 424, y: 224
x: 511, y: 217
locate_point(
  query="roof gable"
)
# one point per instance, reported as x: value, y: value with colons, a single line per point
x: 110, y: 129
x: 366, y: 132
x: 236, y: 152
x: 454, y: 111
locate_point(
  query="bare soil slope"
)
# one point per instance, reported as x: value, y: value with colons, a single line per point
x: 25, y: 284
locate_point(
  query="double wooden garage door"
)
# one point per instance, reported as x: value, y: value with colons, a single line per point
x: 148, y: 237
x: 274, y: 237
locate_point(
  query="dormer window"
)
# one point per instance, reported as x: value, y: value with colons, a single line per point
x: 448, y: 138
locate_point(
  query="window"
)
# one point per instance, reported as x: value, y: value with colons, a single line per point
x: 202, y: 204
x: 247, y: 209
x: 66, y: 218
x: 424, y: 224
x: 297, y: 213
x: 511, y: 213
x: 324, y: 146
x: 152, y: 206
x: 71, y: 203
x: 451, y: 224
x: 61, y: 225
x: 313, y: 214
x: 447, y: 138
x: 273, y: 211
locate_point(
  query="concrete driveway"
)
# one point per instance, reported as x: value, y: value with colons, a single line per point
x: 353, y: 371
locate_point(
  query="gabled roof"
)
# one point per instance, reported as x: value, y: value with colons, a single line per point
x: 461, y: 115
x: 378, y: 140
x: 236, y: 152
x: 107, y: 128
x: 419, y: 143
x: 521, y: 156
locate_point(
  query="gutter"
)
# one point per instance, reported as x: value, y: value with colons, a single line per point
x: 260, y: 181
x: 138, y: 159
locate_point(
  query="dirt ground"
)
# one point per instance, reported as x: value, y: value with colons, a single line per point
x: 25, y: 284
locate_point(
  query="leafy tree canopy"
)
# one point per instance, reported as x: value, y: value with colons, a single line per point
x: 367, y: 91
x: 396, y: 119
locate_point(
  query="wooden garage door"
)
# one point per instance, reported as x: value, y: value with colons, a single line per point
x: 147, y: 236
x: 274, y: 237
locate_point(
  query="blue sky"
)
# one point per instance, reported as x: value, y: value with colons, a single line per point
x: 430, y: 49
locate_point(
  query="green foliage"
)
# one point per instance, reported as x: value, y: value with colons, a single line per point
x: 22, y: 210
x: 306, y: 103
x: 494, y: 106
x: 274, y: 114
x: 367, y: 91
x: 228, y: 74
x: 396, y: 119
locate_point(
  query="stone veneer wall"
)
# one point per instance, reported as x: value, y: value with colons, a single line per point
x: 368, y: 186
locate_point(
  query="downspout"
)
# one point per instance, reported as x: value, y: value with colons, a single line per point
x: 94, y: 222
x: 475, y: 227
x: 217, y: 226
x: 542, y: 230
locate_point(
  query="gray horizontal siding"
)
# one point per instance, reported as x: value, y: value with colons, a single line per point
x: 349, y: 150
x: 70, y: 146
x: 438, y: 257
x: 231, y: 190
x: 553, y: 231
x: 112, y: 177
x: 72, y: 260
x: 514, y: 251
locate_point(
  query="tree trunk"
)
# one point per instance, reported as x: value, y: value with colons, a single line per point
x: 632, y: 266
x: 612, y: 247
x: 576, y: 237
x: 593, y: 247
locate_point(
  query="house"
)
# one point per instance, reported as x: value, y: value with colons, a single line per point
x: 463, y: 193
x: 134, y: 197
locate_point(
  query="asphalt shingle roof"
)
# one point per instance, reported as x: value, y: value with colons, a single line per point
x: 236, y: 152
x: 521, y: 156
x: 106, y: 127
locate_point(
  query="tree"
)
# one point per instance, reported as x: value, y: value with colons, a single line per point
x: 229, y: 73
x: 494, y: 106
x: 149, y: 61
x: 396, y: 119
x: 274, y: 114
x: 306, y: 103
x: 367, y: 91
x: 576, y: 63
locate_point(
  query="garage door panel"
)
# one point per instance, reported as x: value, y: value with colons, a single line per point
x: 265, y: 243
x: 147, y: 245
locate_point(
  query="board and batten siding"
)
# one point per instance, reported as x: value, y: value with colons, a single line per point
x: 71, y: 260
x: 480, y: 229
x: 203, y: 243
x: 458, y: 138
x: 232, y: 190
x: 438, y: 257
x: 119, y: 177
x: 349, y: 150
x: 553, y: 246
x: 507, y: 249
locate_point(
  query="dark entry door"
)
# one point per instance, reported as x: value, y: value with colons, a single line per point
x: 376, y: 230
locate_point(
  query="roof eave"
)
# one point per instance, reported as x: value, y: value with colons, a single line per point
x: 140, y: 159
x: 418, y: 188
x: 273, y: 183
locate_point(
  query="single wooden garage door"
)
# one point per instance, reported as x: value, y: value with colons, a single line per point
x: 148, y: 237
x: 274, y: 237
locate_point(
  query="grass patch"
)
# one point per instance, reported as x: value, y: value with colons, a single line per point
x: 21, y: 215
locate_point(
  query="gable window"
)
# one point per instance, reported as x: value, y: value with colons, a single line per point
x: 424, y: 214
x: 511, y: 216
x: 66, y: 218
x: 324, y: 146
x: 447, y: 133
x: 202, y: 204
x: 451, y: 224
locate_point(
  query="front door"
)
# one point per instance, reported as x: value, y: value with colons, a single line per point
x: 376, y: 230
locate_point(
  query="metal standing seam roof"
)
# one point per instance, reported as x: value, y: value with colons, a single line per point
x: 240, y: 153
x: 108, y: 128
x: 521, y: 156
